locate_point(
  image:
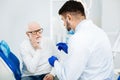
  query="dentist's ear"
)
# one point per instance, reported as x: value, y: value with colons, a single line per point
x: 68, y: 17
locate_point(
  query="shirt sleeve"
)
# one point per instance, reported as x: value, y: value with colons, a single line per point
x: 31, y: 61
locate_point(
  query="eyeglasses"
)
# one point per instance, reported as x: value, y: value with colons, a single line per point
x: 36, y: 31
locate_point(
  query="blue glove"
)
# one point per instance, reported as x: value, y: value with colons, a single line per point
x: 52, y: 60
x: 63, y: 46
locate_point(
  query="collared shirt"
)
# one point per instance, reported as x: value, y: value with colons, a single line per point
x: 89, y: 55
x: 35, y: 62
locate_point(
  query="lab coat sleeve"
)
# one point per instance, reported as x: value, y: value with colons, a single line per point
x: 76, y: 61
x: 53, y: 72
x: 60, y: 71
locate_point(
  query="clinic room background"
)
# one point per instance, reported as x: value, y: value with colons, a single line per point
x: 16, y: 14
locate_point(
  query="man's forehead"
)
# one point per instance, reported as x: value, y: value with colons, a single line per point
x: 33, y: 26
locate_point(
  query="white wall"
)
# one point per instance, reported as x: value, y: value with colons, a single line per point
x: 95, y: 11
x: 111, y: 18
x: 111, y: 23
x: 16, y: 14
x: 58, y: 31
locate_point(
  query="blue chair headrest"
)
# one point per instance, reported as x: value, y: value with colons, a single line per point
x: 118, y: 78
x: 10, y: 59
x: 5, y: 48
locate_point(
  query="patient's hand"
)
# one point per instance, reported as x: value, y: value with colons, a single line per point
x: 49, y: 77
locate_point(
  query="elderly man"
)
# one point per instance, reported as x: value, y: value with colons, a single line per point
x: 35, y: 51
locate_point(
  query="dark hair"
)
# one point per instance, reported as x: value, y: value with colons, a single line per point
x: 72, y: 6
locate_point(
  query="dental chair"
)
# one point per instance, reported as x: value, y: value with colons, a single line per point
x: 5, y: 72
x: 9, y: 63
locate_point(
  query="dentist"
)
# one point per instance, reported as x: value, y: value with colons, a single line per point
x: 89, y: 49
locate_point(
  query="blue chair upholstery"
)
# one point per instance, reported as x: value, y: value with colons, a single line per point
x: 10, y: 59
x: 118, y: 78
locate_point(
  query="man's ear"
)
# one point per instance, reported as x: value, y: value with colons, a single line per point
x: 27, y: 34
x: 69, y: 17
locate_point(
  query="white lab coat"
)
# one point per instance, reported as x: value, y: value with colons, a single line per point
x: 89, y: 55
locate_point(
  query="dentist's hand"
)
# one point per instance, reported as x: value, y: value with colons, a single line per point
x: 63, y: 46
x: 52, y: 60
